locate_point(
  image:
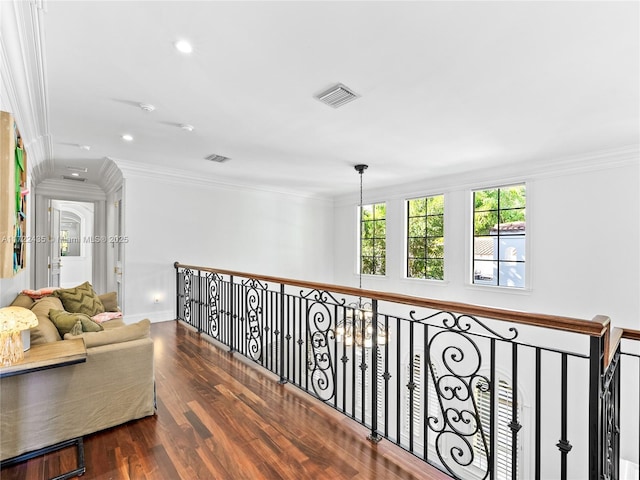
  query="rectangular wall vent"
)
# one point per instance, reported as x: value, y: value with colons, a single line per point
x: 217, y: 158
x: 337, y: 96
x: 75, y: 179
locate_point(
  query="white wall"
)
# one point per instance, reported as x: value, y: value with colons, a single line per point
x: 584, y: 242
x: 168, y: 220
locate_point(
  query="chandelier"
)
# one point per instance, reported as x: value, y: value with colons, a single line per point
x: 357, y: 327
x: 357, y: 324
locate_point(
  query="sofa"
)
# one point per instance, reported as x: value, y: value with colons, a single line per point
x: 114, y: 385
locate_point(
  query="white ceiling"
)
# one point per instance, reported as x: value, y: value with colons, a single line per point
x: 446, y: 87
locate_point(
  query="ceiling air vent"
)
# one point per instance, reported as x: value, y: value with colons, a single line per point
x: 337, y: 96
x: 217, y: 158
x: 75, y: 179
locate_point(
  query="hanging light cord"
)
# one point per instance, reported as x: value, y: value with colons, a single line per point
x: 360, y: 270
x: 360, y: 169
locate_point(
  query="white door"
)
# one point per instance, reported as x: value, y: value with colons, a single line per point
x: 55, y: 263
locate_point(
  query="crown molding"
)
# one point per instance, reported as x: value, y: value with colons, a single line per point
x: 111, y: 177
x: 517, y: 172
x: 133, y: 169
x: 70, y: 190
x: 23, y: 73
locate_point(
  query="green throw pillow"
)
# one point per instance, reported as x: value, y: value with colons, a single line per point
x: 109, y: 301
x: 65, y: 322
x: 80, y: 299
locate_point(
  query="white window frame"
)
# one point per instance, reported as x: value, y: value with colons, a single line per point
x: 529, y: 247
x: 359, y: 239
x: 444, y: 240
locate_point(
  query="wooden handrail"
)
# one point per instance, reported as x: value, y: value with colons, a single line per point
x: 612, y: 346
x: 631, y: 334
x: 599, y: 326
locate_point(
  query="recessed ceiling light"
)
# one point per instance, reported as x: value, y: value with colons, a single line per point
x: 183, y: 46
x: 84, y: 147
x: 147, y: 107
x: 127, y: 138
x: 75, y: 174
x: 187, y: 127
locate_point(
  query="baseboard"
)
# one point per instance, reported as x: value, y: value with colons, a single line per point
x: 155, y: 317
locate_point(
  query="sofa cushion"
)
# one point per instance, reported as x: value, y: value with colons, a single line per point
x: 23, y: 300
x: 66, y: 321
x: 46, y: 331
x: 115, y: 323
x: 109, y: 301
x: 80, y: 299
x: 135, y: 331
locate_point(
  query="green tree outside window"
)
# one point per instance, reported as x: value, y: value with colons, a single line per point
x: 425, y: 238
x: 373, y: 239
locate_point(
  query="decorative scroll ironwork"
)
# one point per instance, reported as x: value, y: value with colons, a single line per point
x: 253, y: 299
x: 321, y: 366
x: 187, y: 295
x: 610, y: 420
x: 457, y: 422
x: 462, y: 323
x: 213, y: 283
x: 322, y: 296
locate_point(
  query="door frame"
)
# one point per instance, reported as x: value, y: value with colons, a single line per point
x: 42, y: 228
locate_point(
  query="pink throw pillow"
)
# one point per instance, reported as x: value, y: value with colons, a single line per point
x: 37, y: 294
x: 103, y: 317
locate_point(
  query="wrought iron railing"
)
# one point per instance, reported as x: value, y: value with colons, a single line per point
x: 478, y: 392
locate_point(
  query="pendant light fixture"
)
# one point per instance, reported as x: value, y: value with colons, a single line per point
x: 357, y: 325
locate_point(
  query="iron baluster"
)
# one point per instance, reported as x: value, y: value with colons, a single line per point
x: 178, y: 289
x: 425, y: 382
x: 411, y: 386
x: 538, y: 412
x: 493, y: 438
x: 398, y: 379
x: 283, y: 378
x: 387, y: 377
x: 231, y: 320
x: 596, y: 356
x: 563, y: 445
x: 515, y: 424
x: 373, y: 436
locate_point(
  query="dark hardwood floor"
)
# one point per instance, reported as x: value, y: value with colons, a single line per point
x: 222, y: 418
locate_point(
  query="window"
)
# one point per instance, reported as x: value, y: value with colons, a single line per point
x: 425, y: 238
x: 503, y: 441
x: 373, y: 239
x: 499, y: 230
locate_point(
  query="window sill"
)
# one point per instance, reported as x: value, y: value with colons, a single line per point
x: 427, y: 281
x: 500, y: 289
